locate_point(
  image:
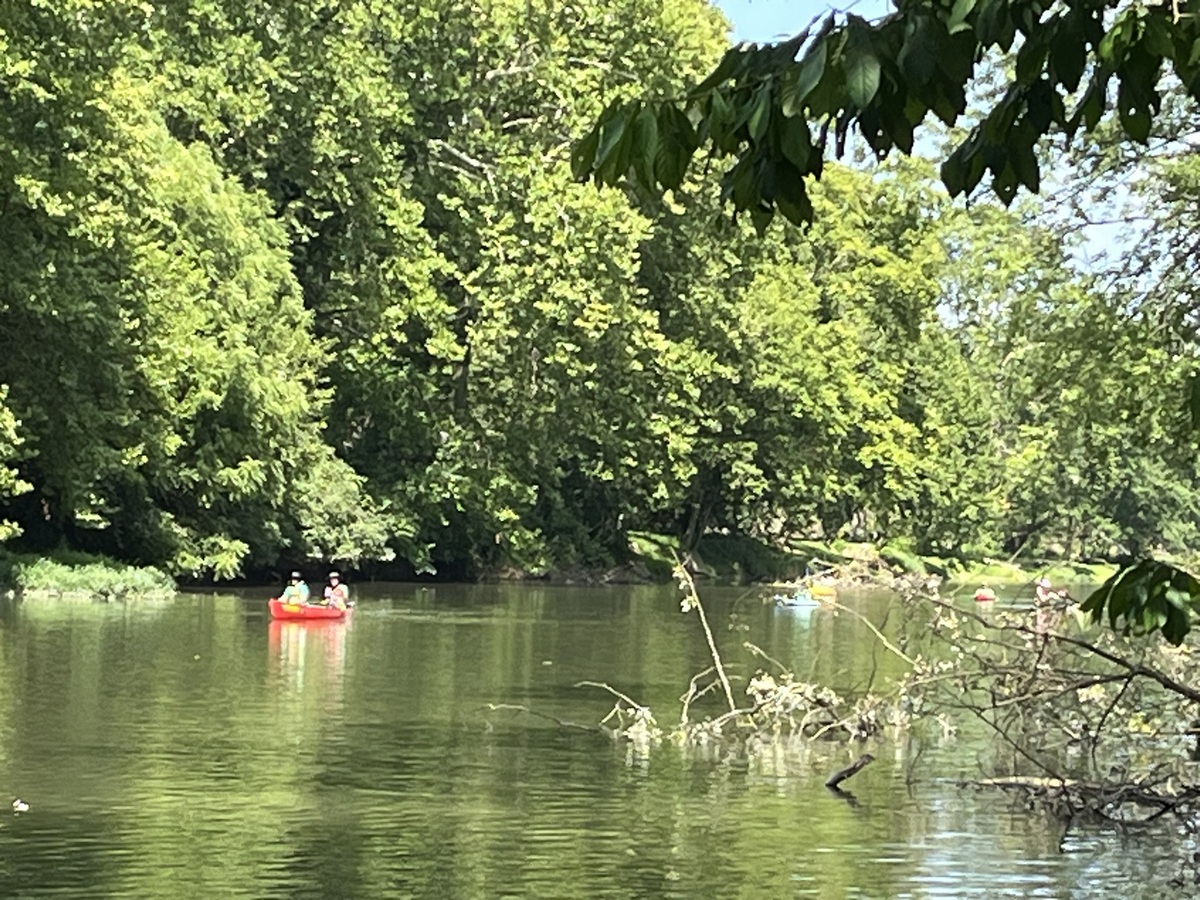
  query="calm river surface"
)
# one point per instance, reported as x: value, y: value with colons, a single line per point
x: 195, y: 749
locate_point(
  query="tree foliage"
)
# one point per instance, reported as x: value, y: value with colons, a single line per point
x: 778, y: 109
x: 291, y: 281
x: 1071, y: 66
x: 155, y: 344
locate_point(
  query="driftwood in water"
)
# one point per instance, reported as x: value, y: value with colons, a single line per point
x: 1126, y: 802
x: 853, y: 769
x: 562, y: 723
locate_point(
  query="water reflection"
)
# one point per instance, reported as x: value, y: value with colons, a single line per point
x: 294, y: 645
x: 202, y: 750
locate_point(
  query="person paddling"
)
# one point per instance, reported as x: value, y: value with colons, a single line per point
x: 296, y: 591
x: 336, y: 593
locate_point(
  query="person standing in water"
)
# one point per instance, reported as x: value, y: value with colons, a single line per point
x: 1044, y: 594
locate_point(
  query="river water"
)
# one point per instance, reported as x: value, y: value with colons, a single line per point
x: 196, y: 749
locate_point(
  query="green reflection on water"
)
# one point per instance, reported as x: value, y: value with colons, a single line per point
x: 197, y: 749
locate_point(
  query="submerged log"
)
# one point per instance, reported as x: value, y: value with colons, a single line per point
x: 853, y: 769
x: 1032, y: 782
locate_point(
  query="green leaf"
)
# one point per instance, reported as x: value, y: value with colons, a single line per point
x: 963, y: 169
x: 720, y: 122
x: 897, y: 126
x: 947, y: 108
x: 720, y: 113
x: 1004, y: 180
x: 807, y: 75
x: 645, y: 147
x: 583, y: 154
x: 953, y: 172
x: 613, y: 131
x: 956, y: 60
x: 677, y: 143
x: 760, y: 116
x: 861, y: 65
x: 1152, y: 595
x: 1031, y: 58
x: 1176, y: 626
x: 1091, y: 106
x: 993, y: 24
x: 1178, y: 597
x: 1115, y: 44
x: 733, y: 60
x: 740, y: 184
x: 791, y: 195
x: 795, y: 142
x: 958, y: 16
x: 761, y: 216
x: 1068, y: 52
x: 670, y: 165
x: 1135, y: 118
x: 918, y: 57
x: 1156, y: 32
x: 1040, y: 107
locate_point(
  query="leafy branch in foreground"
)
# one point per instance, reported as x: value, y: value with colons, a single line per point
x: 1145, y: 597
x: 776, y: 108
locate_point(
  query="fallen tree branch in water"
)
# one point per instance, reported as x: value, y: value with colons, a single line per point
x: 693, y: 693
x: 1120, y: 802
x: 850, y: 771
x: 561, y: 723
x: 612, y: 690
x: 781, y: 711
x: 641, y: 730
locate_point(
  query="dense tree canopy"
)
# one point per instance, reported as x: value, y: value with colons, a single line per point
x: 288, y: 281
x: 1061, y: 66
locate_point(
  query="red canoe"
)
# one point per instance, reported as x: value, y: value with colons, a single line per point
x: 281, y: 610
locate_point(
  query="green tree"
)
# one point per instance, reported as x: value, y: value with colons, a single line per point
x: 10, y: 481
x: 418, y: 159
x: 155, y: 345
x: 760, y: 106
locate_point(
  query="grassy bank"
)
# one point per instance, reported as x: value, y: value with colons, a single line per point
x: 79, y: 576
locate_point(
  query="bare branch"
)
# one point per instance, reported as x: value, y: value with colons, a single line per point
x: 493, y: 74
x: 871, y: 625
x: 850, y: 771
x: 686, y: 577
x: 562, y: 723
x: 470, y: 161
x: 605, y: 687
x: 693, y: 694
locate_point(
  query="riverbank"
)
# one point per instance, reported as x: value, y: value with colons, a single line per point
x: 80, y: 576
x: 722, y: 559
x: 730, y: 559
